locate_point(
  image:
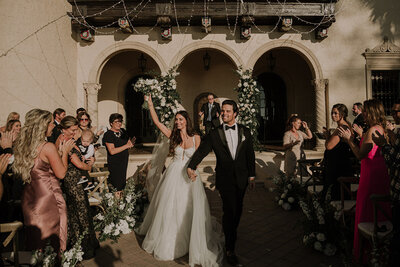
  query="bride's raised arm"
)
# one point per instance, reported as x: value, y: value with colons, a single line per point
x: 154, y: 117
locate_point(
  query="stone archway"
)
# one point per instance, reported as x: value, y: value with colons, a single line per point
x: 316, y: 81
x: 93, y: 84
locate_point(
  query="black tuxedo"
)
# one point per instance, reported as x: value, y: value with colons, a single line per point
x: 231, y: 174
x: 215, y: 112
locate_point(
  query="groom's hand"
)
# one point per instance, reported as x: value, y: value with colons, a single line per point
x: 192, y: 174
x: 252, y: 183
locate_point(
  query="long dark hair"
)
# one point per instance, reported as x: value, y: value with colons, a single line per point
x: 175, y: 138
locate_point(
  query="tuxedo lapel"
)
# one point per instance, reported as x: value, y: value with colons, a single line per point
x: 240, y: 142
x: 223, y: 139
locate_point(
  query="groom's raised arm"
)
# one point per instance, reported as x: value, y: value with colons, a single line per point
x: 203, y: 150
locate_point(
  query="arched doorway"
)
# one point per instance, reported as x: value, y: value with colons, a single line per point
x: 273, y: 108
x: 286, y: 80
x: 138, y: 120
x: 117, y: 94
x: 196, y: 80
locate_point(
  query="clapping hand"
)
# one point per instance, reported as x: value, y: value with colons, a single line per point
x: 358, y: 129
x: 379, y: 139
x: 192, y: 174
x: 66, y: 146
x: 345, y: 134
x: 389, y: 126
x: 6, y: 140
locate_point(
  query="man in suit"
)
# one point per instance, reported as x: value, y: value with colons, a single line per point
x: 233, y: 146
x: 211, y: 111
x: 58, y: 115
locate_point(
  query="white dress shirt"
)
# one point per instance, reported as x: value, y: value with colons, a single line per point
x: 232, y: 139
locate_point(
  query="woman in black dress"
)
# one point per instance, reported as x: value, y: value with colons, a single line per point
x: 118, y: 144
x: 78, y: 207
x: 337, y: 157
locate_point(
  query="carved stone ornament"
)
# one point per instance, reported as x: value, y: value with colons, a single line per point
x: 125, y: 25
x: 206, y: 23
x: 386, y: 47
x: 321, y: 33
x: 245, y: 32
x: 287, y: 23
x: 87, y: 35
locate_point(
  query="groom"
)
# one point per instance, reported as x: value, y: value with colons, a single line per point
x: 233, y: 147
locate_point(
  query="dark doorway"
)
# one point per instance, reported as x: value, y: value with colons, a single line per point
x: 273, y: 113
x: 138, y: 120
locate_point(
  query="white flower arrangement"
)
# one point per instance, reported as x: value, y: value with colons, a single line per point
x: 288, y: 191
x: 322, y: 231
x: 71, y: 257
x: 119, y: 218
x: 46, y: 258
x: 249, y: 98
x: 163, y: 93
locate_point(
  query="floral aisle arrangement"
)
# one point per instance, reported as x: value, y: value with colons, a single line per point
x: 69, y: 258
x: 249, y: 99
x: 44, y: 258
x: 288, y: 190
x: 322, y: 228
x: 163, y: 92
x: 119, y: 216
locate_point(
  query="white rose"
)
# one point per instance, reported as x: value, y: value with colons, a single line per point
x: 289, y: 186
x: 286, y: 206
x: 280, y: 202
x: 253, y: 110
x: 321, y: 237
x: 318, y: 246
x: 122, y: 206
x: 283, y: 195
x: 330, y: 249
x: 291, y: 199
x: 239, y: 84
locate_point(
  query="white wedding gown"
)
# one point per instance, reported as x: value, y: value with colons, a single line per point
x: 178, y: 219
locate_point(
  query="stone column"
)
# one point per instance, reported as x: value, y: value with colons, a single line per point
x: 320, y: 107
x: 92, y: 91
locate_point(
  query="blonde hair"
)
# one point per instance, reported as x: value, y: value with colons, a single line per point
x: 88, y: 133
x: 33, y: 133
x: 11, y: 116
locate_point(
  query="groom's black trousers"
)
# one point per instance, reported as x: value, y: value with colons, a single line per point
x: 232, y: 205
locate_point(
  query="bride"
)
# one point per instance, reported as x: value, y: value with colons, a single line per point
x: 178, y: 219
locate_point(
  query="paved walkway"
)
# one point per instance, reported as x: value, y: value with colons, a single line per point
x: 268, y: 236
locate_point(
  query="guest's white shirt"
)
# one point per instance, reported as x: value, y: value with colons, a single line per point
x: 232, y: 139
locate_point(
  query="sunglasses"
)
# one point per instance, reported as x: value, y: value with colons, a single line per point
x: 84, y: 119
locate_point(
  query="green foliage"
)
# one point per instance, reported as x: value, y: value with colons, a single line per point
x: 249, y: 99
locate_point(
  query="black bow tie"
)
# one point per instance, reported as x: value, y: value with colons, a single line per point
x: 233, y: 127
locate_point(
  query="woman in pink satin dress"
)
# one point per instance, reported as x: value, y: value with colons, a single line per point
x: 374, y: 178
x: 39, y: 164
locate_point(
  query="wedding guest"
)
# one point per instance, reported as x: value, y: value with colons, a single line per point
x: 79, y: 110
x: 12, y: 116
x: 211, y: 111
x: 391, y: 153
x: 118, y: 144
x: 13, y: 126
x: 292, y: 142
x: 78, y: 208
x: 58, y: 115
x: 337, y: 156
x: 85, y: 123
x: 374, y: 178
x: 86, y: 147
x: 39, y: 164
